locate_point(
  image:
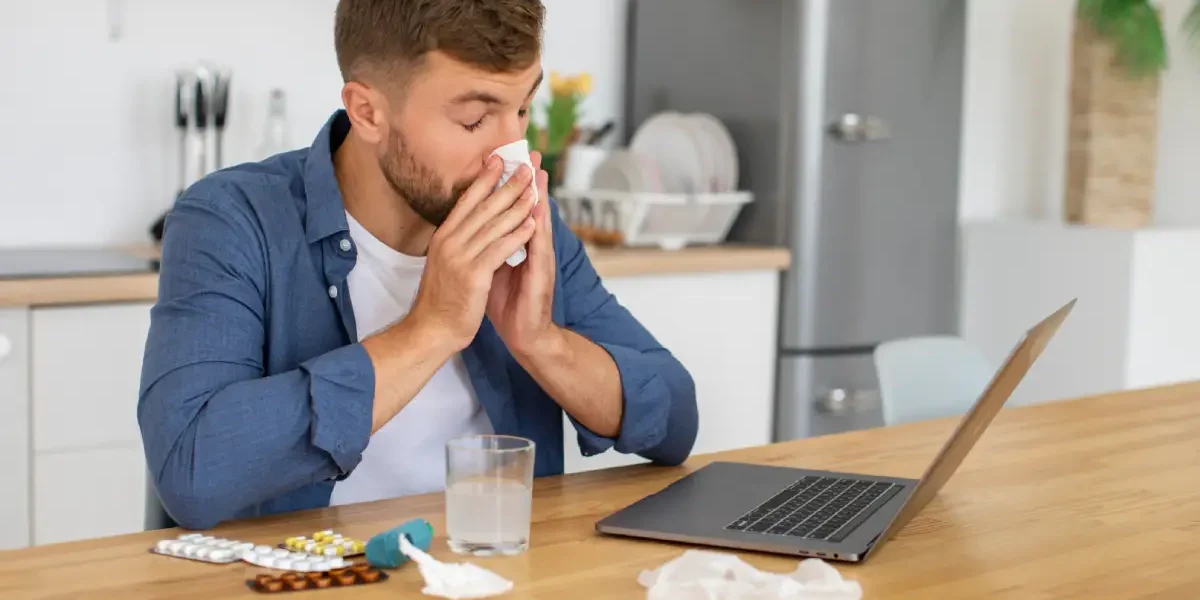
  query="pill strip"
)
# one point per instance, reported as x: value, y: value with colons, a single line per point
x: 359, y: 574
x: 286, y: 560
x: 326, y: 543
x: 203, y: 548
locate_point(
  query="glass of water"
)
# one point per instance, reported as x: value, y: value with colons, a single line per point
x: 489, y: 494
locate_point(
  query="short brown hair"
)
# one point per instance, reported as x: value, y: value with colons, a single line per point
x: 497, y: 35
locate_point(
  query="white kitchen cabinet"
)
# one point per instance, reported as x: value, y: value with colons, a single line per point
x: 1136, y: 323
x: 723, y: 328
x: 88, y: 463
x: 14, y: 427
x: 87, y: 363
x: 88, y: 493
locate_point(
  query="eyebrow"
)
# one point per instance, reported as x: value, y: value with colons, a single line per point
x: 486, y: 98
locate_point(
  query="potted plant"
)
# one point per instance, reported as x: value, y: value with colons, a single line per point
x: 558, y: 127
x: 1119, y: 51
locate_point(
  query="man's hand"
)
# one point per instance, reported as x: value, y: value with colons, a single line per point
x: 521, y: 297
x: 579, y: 375
x: 482, y: 230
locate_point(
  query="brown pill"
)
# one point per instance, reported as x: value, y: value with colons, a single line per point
x: 298, y: 583
x: 323, y: 582
x: 274, y: 585
x: 360, y: 567
x: 347, y: 578
x: 263, y: 579
x: 370, y: 576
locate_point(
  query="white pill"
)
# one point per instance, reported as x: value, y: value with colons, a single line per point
x: 281, y: 552
x: 265, y: 550
x: 242, y: 547
x: 190, y: 550
x: 203, y: 551
x: 298, y: 556
x: 163, y: 545
x: 321, y: 565
x: 337, y: 562
x: 300, y: 565
x: 220, y: 555
x: 264, y: 561
x: 187, y: 537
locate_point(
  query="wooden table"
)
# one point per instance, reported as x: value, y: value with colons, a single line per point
x: 1090, y: 498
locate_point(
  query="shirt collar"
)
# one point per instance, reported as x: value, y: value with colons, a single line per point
x: 325, y: 211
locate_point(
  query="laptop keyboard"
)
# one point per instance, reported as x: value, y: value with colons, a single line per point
x: 817, y: 508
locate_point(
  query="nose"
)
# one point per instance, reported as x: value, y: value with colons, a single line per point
x: 511, y: 131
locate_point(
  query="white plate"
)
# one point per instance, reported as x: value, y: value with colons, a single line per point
x: 667, y: 140
x: 712, y: 154
x: 727, y: 162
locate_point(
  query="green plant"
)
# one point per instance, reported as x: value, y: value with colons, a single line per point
x: 1135, y: 28
x: 561, y: 115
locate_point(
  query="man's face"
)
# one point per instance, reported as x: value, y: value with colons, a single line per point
x: 449, y: 120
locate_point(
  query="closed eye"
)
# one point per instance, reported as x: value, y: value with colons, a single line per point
x: 476, y: 124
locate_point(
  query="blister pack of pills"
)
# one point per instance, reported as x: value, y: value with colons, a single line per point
x: 359, y: 574
x: 204, y: 548
x: 288, y: 560
x: 326, y: 543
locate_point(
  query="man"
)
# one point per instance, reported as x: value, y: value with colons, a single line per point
x: 329, y: 317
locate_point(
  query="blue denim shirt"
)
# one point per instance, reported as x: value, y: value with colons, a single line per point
x: 255, y: 395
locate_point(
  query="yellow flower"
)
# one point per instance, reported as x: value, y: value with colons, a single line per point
x: 575, y: 85
x: 583, y: 84
x: 558, y: 85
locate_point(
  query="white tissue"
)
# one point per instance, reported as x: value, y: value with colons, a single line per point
x: 459, y: 580
x: 704, y: 575
x: 514, y: 155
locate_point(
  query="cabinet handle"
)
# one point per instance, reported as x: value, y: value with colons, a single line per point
x: 5, y: 347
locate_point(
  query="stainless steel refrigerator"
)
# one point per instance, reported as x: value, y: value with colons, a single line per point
x: 847, y: 118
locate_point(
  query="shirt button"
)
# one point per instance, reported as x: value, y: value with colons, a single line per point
x: 333, y: 291
x: 344, y: 245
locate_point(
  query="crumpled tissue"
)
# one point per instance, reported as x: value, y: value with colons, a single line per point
x: 455, y: 581
x: 705, y: 575
x: 514, y: 155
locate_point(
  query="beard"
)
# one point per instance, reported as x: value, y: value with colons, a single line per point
x: 416, y: 183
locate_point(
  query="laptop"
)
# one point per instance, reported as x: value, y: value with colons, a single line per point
x: 824, y: 514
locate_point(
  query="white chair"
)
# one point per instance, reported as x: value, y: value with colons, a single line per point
x: 929, y: 377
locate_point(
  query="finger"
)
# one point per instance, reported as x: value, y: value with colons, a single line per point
x: 541, y: 245
x: 503, y: 224
x: 535, y: 157
x: 475, y: 193
x: 504, y: 247
x: 497, y: 202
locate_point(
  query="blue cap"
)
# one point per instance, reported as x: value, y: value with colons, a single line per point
x: 383, y: 549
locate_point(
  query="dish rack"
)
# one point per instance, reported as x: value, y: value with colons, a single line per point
x: 669, y: 221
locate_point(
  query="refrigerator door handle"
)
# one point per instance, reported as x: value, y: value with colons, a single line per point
x: 839, y: 401
x: 853, y: 127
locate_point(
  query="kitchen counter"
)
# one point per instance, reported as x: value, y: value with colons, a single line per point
x: 610, y: 263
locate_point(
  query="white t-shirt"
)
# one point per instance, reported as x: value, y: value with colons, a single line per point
x: 407, y: 455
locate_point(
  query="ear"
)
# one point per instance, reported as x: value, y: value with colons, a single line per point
x: 368, y: 111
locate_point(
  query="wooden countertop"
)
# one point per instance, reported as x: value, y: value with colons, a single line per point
x: 1091, y: 498
x: 625, y: 262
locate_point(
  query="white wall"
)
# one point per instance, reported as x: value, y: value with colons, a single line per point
x: 90, y: 155
x: 1015, y: 112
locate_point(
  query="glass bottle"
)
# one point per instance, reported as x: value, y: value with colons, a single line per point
x: 275, y: 131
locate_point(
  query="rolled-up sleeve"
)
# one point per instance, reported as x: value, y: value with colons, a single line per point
x: 219, y: 433
x: 659, y: 418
